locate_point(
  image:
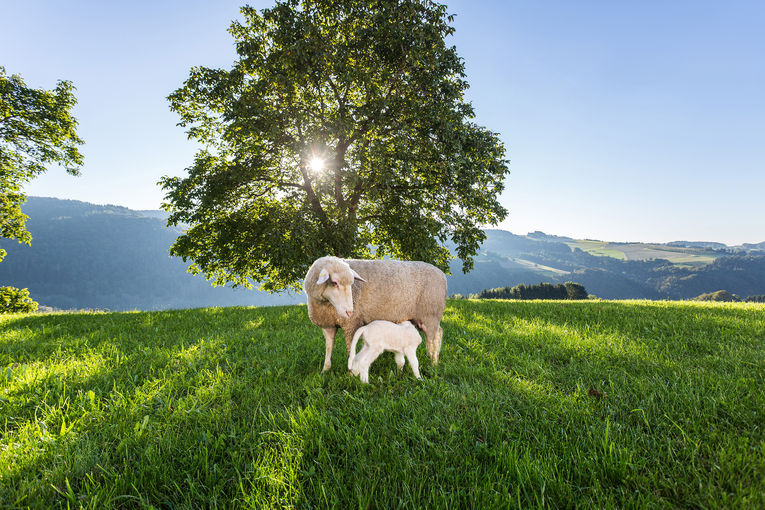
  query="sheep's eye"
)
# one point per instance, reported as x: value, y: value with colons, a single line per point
x: 335, y: 284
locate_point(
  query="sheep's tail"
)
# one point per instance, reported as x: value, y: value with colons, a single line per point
x: 352, y: 354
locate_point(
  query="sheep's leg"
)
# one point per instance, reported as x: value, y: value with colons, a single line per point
x: 433, y: 336
x: 429, y: 339
x: 423, y: 326
x: 437, y: 342
x: 329, y: 337
x: 400, y: 361
x: 348, y: 332
x: 411, y: 355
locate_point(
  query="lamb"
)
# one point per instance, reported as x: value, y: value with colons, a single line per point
x: 348, y: 294
x: 380, y: 336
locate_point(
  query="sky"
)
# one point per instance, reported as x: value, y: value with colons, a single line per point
x: 623, y: 121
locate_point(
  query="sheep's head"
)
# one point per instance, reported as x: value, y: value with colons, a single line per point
x: 337, y: 280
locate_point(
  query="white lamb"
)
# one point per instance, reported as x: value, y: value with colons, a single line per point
x: 379, y: 336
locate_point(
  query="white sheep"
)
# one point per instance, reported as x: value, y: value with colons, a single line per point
x: 348, y: 294
x: 380, y: 336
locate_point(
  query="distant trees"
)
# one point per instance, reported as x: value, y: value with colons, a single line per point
x: 37, y: 129
x: 575, y: 290
x: 724, y: 295
x: 720, y: 295
x: 569, y: 290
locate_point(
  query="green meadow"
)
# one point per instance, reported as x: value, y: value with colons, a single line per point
x: 681, y: 256
x: 599, y: 404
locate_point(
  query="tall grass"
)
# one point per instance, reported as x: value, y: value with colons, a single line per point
x: 534, y: 404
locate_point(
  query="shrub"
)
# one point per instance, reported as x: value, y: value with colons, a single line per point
x: 13, y: 300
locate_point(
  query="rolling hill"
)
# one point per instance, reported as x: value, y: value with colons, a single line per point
x: 86, y: 256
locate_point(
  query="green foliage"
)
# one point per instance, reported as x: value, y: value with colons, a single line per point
x: 720, y: 295
x: 37, y: 129
x: 534, y: 404
x: 575, y: 290
x: 570, y: 290
x: 13, y: 300
x: 373, y: 90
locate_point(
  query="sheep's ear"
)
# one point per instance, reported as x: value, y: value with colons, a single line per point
x: 323, y: 277
x: 357, y: 277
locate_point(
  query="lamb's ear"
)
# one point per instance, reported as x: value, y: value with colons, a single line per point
x: 356, y: 276
x: 323, y: 277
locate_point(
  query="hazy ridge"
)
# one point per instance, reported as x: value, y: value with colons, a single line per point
x: 105, y: 256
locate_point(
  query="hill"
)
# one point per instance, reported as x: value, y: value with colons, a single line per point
x: 555, y: 404
x: 110, y: 257
x: 86, y: 256
x: 612, y: 270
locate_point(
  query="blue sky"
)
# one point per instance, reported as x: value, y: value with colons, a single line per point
x: 624, y: 121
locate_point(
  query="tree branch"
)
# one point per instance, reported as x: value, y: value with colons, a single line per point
x: 315, y: 203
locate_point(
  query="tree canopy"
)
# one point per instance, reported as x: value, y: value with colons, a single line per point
x: 37, y: 129
x: 342, y: 128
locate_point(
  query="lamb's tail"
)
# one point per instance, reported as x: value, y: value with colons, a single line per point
x: 352, y: 354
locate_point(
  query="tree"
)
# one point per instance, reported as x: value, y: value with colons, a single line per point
x: 341, y: 129
x: 13, y: 300
x: 36, y: 129
x: 575, y: 290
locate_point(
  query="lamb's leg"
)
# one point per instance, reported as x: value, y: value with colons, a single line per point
x: 329, y: 337
x: 411, y: 355
x: 358, y: 359
x: 364, y: 363
x: 400, y: 361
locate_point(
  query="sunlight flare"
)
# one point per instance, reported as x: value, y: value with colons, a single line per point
x: 316, y: 164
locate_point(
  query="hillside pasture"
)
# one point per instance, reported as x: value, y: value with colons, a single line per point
x: 688, y: 257
x: 535, y: 404
x: 598, y: 248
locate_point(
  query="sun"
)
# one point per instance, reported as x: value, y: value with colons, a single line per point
x: 316, y: 164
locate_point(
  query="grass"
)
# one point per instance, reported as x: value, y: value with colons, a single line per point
x: 535, y: 404
x: 599, y: 248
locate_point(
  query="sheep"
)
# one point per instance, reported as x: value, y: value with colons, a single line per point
x: 348, y: 294
x: 379, y: 336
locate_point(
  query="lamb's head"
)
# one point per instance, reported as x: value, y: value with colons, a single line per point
x: 337, y: 278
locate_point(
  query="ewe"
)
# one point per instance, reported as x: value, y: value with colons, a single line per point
x: 351, y: 293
